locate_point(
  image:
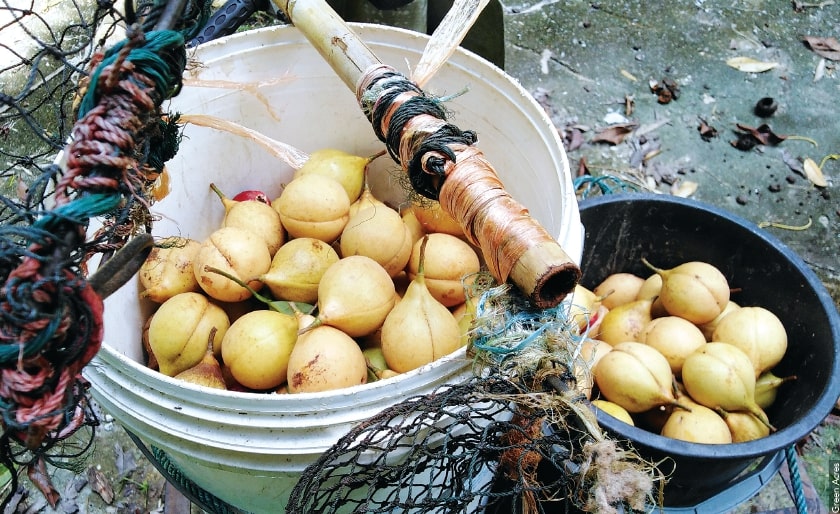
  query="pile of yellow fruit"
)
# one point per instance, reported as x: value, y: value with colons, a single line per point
x: 321, y: 288
x: 672, y: 353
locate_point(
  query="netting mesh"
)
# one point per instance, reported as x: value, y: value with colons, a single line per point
x: 518, y: 437
x: 65, y: 93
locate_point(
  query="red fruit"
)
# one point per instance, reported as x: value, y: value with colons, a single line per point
x: 252, y: 194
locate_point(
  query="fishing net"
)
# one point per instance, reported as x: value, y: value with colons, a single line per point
x: 84, y: 139
x: 517, y: 437
x: 61, y: 83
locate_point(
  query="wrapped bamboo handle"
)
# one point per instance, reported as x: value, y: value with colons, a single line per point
x: 441, y: 160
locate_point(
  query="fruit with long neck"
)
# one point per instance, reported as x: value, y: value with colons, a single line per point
x: 419, y: 329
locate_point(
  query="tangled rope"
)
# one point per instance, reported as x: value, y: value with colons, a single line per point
x: 51, y: 315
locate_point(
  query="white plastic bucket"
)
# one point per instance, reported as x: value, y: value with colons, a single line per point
x: 249, y: 449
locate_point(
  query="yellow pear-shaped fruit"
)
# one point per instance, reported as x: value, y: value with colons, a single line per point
x: 756, y: 331
x: 614, y: 410
x: 720, y: 375
x: 365, y: 200
x: 449, y: 262
x: 708, y: 329
x: 697, y: 424
x: 767, y: 387
x: 180, y: 329
x: 635, y: 376
x: 296, y: 269
x: 257, y: 346
x: 650, y: 288
x: 583, y: 304
x: 675, y: 338
x: 355, y: 295
x: 744, y: 426
x: 235, y: 251
x: 434, y: 219
x: 591, y: 351
x: 313, y: 205
x: 618, y: 289
x: 625, y: 322
x: 168, y: 269
x: 379, y: 233
x: 695, y: 290
x: 419, y: 329
x: 415, y: 229
x: 345, y: 168
x: 255, y: 216
x: 207, y: 373
x: 324, y: 359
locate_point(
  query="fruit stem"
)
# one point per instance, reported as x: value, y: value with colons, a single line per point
x: 315, y: 324
x: 373, y: 157
x: 422, y: 260
x: 239, y: 282
x: 678, y: 405
x: 652, y: 267
x: 218, y: 191
x: 756, y: 411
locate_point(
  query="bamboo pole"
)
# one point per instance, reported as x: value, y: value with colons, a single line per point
x: 515, y: 246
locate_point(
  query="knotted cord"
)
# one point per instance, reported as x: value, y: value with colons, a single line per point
x: 51, y: 315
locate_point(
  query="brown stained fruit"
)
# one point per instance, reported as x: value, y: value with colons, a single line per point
x: 324, y: 359
x: 236, y: 251
x: 168, y: 269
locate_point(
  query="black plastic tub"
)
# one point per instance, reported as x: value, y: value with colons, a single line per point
x: 623, y: 228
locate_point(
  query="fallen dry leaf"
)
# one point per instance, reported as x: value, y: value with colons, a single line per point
x: 614, y: 134
x: 37, y: 473
x: 707, y: 132
x: 750, y: 65
x: 684, y: 188
x: 814, y: 173
x: 827, y: 47
x: 100, y: 484
x: 761, y: 135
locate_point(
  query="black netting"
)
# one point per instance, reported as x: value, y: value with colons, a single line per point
x: 83, y: 137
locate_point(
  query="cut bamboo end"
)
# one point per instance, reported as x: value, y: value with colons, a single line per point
x: 546, y: 274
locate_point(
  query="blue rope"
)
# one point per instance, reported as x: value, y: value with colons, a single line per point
x: 503, y: 339
x: 796, y: 480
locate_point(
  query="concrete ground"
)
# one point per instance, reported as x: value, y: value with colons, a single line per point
x: 592, y: 64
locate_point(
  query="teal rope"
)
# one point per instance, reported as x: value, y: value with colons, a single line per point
x: 605, y: 184
x: 796, y: 480
x: 165, y: 73
x: 503, y: 338
x: 79, y: 211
